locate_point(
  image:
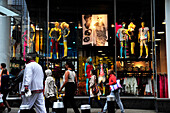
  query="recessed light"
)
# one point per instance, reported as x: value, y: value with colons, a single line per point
x: 100, y: 51
x: 161, y: 32
x: 157, y: 39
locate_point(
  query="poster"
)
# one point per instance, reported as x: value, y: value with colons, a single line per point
x: 95, y: 30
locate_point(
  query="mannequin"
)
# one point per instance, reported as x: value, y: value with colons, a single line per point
x: 143, y: 38
x: 55, y: 34
x: 65, y: 30
x: 123, y: 37
x: 100, y: 31
x: 88, y: 67
x: 130, y: 32
x: 16, y: 36
x: 102, y: 73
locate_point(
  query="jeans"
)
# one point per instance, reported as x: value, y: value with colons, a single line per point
x: 118, y: 101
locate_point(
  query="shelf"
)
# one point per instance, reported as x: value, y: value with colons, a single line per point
x: 134, y: 72
x: 134, y: 59
x: 58, y: 60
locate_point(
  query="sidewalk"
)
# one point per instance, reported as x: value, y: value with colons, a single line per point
x: 96, y: 110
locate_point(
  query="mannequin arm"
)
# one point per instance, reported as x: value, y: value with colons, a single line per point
x: 94, y: 67
x: 148, y: 36
x: 67, y: 33
x: 51, y: 32
x: 107, y: 76
x: 117, y: 35
x: 128, y: 34
x: 85, y: 68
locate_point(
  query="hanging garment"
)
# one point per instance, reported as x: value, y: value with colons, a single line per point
x: 148, y: 88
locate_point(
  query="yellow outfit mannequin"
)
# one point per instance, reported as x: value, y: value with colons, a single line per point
x: 65, y: 28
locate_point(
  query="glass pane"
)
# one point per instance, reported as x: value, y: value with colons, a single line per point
x: 134, y: 47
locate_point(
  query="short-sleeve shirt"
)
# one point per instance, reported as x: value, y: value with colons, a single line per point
x: 122, y: 34
x: 143, y: 33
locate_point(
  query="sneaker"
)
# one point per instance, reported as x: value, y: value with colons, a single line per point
x: 139, y: 56
x: 9, y: 109
x: 146, y: 57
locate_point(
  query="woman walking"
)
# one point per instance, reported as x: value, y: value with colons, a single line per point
x: 70, y: 84
x: 4, y: 88
x: 114, y: 91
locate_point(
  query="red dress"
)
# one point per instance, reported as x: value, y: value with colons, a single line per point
x: 88, y: 69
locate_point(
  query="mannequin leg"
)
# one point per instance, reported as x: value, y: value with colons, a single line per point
x: 132, y: 48
x: 57, y: 45
x: 125, y: 45
x: 141, y: 48
x: 146, y: 49
x: 65, y: 48
x: 104, y: 89
x: 121, y: 48
x: 51, y: 53
x: 87, y: 85
x: 14, y: 51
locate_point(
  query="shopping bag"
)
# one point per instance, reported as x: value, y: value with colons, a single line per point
x: 116, y: 86
x: 1, y: 100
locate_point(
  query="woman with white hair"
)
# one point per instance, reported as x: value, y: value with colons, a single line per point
x: 50, y: 89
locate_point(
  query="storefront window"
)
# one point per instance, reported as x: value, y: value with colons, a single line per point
x: 118, y: 34
x: 134, y: 47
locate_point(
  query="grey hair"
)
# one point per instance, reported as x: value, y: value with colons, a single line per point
x: 88, y: 59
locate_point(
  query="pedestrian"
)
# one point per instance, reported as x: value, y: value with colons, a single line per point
x: 115, y: 92
x: 94, y: 90
x: 50, y: 89
x: 3, y: 66
x: 33, y: 82
x: 70, y: 84
x: 4, y: 88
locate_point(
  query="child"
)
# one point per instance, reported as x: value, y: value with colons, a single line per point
x: 94, y: 90
x: 50, y: 89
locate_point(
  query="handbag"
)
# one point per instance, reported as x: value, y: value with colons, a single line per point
x: 1, y: 100
x: 116, y: 86
x: 95, y: 90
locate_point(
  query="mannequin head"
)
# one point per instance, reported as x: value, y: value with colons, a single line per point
x: 143, y: 24
x: 56, y: 24
x: 131, y: 26
x: 66, y: 25
x: 89, y: 60
x: 63, y: 25
x: 123, y: 24
x: 101, y: 60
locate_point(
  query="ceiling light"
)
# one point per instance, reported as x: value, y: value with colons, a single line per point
x: 161, y: 32
x: 156, y: 45
x: 100, y: 51
x: 7, y: 12
x: 163, y: 22
x: 157, y: 39
x: 103, y: 54
x: 112, y: 25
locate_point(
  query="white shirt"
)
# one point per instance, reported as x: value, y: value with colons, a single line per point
x: 143, y: 33
x: 33, y: 77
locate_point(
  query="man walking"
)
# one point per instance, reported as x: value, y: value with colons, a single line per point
x: 33, y: 81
